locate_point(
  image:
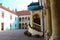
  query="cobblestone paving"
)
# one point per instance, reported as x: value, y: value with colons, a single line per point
x: 16, y: 35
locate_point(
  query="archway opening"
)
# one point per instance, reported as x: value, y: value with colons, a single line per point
x: 36, y: 19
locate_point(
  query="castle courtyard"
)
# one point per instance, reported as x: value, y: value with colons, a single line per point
x: 16, y: 35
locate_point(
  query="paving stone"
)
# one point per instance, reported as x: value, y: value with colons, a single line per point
x: 16, y: 35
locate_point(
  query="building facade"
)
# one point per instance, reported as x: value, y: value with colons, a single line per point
x: 8, y: 19
x: 24, y: 19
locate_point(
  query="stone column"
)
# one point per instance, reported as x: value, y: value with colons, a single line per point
x: 49, y: 23
x: 41, y: 20
x: 21, y: 23
x: 55, y: 13
x: 20, y: 27
x: 24, y: 23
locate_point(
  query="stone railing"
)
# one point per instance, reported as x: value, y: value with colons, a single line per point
x: 34, y: 31
x: 36, y: 27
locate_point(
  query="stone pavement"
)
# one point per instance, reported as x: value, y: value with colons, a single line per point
x: 16, y: 35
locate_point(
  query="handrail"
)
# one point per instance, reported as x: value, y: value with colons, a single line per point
x: 36, y: 24
x: 36, y: 27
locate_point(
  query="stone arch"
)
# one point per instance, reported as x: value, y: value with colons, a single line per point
x: 36, y: 18
x: 25, y: 18
x: 22, y: 18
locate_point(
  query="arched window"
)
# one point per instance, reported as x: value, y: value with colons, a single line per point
x: 26, y: 25
x: 22, y: 18
x: 19, y: 19
x: 26, y: 18
x: 22, y: 25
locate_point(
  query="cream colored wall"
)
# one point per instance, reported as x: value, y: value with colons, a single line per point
x: 31, y: 19
x: 33, y: 13
x: 25, y: 20
x: 39, y: 12
x: 34, y: 32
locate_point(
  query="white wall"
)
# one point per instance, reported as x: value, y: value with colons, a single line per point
x: 6, y: 20
x: 25, y: 20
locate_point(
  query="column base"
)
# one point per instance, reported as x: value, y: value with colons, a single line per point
x: 54, y: 38
x: 51, y: 38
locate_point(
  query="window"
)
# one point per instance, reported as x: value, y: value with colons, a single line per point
x: 26, y: 25
x: 22, y: 18
x: 22, y: 25
x: 26, y: 18
x: 10, y: 16
x: 2, y: 14
x: 2, y: 24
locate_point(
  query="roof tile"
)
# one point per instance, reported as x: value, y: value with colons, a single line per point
x: 23, y: 12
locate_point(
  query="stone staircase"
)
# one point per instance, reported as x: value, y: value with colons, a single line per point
x: 36, y: 29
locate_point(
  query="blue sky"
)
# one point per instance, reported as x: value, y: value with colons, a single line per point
x: 17, y: 4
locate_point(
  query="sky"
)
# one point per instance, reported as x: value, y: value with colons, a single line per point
x: 17, y: 4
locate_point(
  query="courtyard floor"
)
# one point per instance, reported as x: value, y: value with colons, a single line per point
x: 16, y: 35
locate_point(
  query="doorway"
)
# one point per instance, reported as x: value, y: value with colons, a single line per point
x: 2, y: 26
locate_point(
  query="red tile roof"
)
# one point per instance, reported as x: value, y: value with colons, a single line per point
x: 3, y: 7
x: 23, y: 12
